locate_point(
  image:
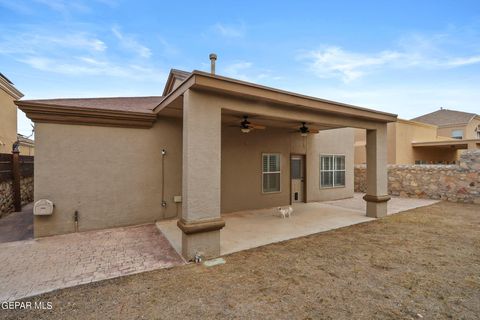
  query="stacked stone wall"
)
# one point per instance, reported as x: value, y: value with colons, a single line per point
x: 457, y: 183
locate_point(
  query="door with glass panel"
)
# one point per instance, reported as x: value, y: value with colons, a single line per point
x: 297, y: 172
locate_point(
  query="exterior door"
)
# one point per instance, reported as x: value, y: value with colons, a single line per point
x: 297, y: 172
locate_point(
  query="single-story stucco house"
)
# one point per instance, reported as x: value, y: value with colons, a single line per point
x: 208, y: 146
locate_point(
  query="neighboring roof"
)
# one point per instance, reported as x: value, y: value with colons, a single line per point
x: 7, y: 86
x: 24, y: 140
x: 446, y: 117
x: 5, y: 78
x: 207, y: 81
x: 127, y: 104
x: 459, y: 143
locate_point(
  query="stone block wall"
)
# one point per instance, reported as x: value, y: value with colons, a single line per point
x: 6, y: 198
x: 457, y: 183
x: 6, y: 194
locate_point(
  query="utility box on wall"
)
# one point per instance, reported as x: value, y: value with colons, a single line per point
x: 43, y: 207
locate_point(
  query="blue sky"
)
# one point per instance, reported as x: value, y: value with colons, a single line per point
x: 404, y: 57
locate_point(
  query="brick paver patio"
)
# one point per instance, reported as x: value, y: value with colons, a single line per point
x: 32, y: 267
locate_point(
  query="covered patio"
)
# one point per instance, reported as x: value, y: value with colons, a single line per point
x: 221, y: 171
x: 253, y: 228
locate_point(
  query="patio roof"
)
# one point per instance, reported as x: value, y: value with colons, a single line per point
x: 455, y: 143
x: 227, y: 86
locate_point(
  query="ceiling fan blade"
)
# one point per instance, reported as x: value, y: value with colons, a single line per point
x: 257, y: 126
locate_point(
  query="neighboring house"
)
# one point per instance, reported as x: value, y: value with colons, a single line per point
x: 26, y: 145
x: 191, y: 154
x: 8, y: 114
x: 434, y: 138
x: 453, y: 124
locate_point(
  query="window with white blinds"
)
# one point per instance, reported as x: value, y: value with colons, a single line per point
x: 271, y: 172
x: 332, y: 171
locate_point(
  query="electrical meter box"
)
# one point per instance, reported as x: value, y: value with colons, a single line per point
x: 43, y: 207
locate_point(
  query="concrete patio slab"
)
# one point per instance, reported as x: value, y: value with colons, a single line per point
x: 249, y: 229
x: 32, y: 267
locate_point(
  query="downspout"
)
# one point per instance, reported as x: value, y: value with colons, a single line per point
x: 164, y: 153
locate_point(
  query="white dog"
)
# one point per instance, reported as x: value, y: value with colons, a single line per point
x: 285, y: 212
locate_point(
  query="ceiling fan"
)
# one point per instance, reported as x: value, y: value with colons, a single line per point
x: 246, y: 126
x: 304, y: 130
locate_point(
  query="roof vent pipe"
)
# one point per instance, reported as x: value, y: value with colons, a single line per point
x: 213, y: 58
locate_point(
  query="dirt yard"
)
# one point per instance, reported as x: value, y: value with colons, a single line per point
x: 424, y: 263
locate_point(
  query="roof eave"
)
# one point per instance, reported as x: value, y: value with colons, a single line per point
x: 10, y: 89
x: 38, y: 113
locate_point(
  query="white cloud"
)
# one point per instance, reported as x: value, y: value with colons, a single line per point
x: 244, y: 70
x: 76, y: 54
x: 230, y: 31
x: 87, y: 66
x: 334, y: 61
x: 412, y: 52
x: 130, y: 43
x: 408, y: 101
x: 456, y: 62
x: 30, y: 43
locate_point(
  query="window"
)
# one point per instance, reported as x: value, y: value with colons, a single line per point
x: 332, y: 171
x: 477, y: 130
x: 271, y: 172
x: 457, y: 134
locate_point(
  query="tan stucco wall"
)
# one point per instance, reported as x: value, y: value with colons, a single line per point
x: 26, y: 150
x: 336, y: 141
x: 361, y: 144
x: 8, y: 122
x: 406, y: 133
x: 470, y: 132
x: 112, y: 176
x: 400, y: 136
x: 242, y: 165
x: 447, y: 131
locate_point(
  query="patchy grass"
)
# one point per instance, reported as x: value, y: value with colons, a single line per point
x: 421, y: 263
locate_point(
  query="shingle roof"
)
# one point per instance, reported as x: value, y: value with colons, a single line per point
x: 180, y: 74
x: 445, y: 117
x: 6, y: 79
x: 22, y: 138
x: 128, y: 104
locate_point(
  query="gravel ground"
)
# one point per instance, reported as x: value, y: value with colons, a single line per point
x: 424, y: 263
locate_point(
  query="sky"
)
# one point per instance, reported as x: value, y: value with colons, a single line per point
x: 403, y: 57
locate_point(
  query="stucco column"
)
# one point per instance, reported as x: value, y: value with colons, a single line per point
x: 201, y: 221
x: 377, y: 175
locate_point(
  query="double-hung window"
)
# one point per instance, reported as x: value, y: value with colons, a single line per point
x: 271, y: 172
x: 332, y: 171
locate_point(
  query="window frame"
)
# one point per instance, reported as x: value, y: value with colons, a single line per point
x: 279, y: 155
x: 344, y: 170
x: 457, y: 137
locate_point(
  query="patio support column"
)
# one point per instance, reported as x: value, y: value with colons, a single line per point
x: 377, y: 175
x: 201, y: 221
